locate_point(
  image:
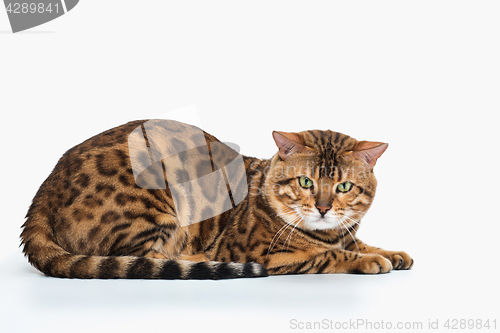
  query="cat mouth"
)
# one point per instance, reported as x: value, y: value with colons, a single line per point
x: 321, y: 223
x: 321, y: 219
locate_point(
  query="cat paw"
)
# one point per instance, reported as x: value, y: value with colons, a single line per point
x: 400, y: 260
x: 374, y: 264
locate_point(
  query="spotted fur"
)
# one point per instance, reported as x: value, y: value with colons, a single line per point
x: 89, y: 219
x: 271, y: 227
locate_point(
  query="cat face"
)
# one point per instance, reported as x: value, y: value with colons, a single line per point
x: 322, y: 179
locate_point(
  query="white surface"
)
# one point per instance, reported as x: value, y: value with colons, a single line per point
x: 32, y: 302
x: 422, y: 76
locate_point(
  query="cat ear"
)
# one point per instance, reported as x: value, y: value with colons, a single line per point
x: 289, y: 143
x: 369, y: 151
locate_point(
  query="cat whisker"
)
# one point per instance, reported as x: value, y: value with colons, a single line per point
x: 358, y: 222
x: 353, y: 238
x: 279, y: 233
x: 357, y: 211
x: 298, y: 219
x: 289, y: 238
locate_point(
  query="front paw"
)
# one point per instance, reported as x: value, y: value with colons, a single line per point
x: 399, y: 259
x: 373, y: 264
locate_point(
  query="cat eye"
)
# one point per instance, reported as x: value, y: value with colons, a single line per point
x: 305, y: 182
x: 344, y: 187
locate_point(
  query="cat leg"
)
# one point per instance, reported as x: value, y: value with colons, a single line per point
x: 156, y: 247
x: 155, y: 255
x: 199, y: 257
x: 330, y: 262
x: 399, y: 259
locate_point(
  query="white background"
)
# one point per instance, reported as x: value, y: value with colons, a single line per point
x: 423, y: 76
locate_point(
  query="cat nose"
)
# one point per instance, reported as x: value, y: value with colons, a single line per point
x: 323, y: 209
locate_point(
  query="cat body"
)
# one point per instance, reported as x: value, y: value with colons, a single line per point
x: 90, y: 219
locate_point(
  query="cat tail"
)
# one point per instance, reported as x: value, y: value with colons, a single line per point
x: 45, y: 254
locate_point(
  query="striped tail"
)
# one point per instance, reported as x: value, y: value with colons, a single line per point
x: 43, y: 252
x: 67, y: 265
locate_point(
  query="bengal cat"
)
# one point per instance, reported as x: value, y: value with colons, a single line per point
x: 90, y: 219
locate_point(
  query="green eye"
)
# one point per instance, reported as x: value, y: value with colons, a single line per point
x: 344, y: 187
x: 305, y: 182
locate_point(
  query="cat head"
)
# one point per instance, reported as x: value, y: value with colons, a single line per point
x: 322, y: 179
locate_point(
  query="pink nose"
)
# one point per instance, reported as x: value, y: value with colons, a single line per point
x: 323, y: 209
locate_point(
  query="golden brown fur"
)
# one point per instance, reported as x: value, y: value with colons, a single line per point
x: 274, y: 235
x: 89, y: 219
